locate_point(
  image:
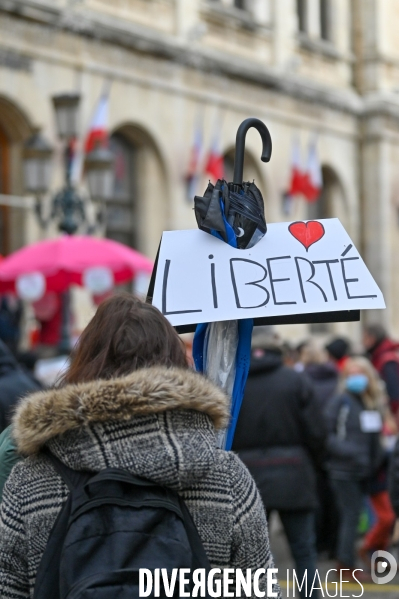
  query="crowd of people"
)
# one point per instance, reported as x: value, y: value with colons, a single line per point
x: 315, y: 442
x: 317, y: 431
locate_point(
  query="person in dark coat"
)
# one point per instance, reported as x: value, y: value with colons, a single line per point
x: 10, y: 320
x: 384, y: 355
x: 280, y: 436
x: 324, y: 376
x: 323, y: 373
x: 14, y: 384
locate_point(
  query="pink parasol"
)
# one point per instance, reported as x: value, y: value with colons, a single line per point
x: 58, y: 263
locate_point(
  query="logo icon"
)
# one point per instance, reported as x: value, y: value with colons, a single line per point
x: 383, y: 567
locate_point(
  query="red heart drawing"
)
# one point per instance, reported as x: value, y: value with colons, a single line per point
x: 307, y: 233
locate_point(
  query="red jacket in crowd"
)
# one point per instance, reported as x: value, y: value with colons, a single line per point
x: 385, y: 359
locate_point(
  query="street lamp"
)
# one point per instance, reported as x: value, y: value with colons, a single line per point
x: 98, y: 166
x: 37, y: 164
x: 66, y: 108
x: 67, y: 206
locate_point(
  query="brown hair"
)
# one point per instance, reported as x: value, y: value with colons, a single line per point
x: 124, y: 335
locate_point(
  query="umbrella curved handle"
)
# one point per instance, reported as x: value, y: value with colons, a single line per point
x: 240, y: 146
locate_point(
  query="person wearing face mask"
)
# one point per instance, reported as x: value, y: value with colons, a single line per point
x: 355, y: 419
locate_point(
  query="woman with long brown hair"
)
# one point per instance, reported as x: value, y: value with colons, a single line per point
x: 130, y: 402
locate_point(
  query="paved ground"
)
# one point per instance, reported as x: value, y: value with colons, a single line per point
x: 284, y: 562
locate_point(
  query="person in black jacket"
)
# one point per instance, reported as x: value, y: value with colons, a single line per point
x: 324, y: 376
x: 14, y: 384
x: 280, y: 436
x: 322, y: 372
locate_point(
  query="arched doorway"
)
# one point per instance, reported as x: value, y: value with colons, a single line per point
x: 4, y: 189
x: 331, y: 202
x: 137, y: 212
x: 15, y: 128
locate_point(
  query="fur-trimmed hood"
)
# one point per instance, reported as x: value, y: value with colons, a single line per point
x: 155, y: 417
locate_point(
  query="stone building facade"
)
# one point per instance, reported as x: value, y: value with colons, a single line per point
x: 305, y: 67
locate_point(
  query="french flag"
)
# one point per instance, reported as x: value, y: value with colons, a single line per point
x: 192, y: 175
x: 215, y: 162
x: 98, y: 131
x: 297, y: 176
x: 313, y: 179
x: 77, y: 161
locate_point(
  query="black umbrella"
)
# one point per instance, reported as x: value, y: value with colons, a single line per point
x: 235, y: 211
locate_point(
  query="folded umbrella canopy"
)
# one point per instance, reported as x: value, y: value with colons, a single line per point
x: 237, y: 217
x: 233, y: 212
x: 56, y: 264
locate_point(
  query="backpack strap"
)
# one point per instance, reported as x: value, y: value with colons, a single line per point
x: 199, y: 557
x: 72, y: 478
x: 48, y: 575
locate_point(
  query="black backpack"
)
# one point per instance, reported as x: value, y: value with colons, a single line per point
x: 113, y: 524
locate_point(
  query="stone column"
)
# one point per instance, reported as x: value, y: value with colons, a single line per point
x: 366, y: 40
x: 314, y: 18
x: 375, y: 184
x: 284, y: 32
x: 186, y: 16
x: 262, y: 11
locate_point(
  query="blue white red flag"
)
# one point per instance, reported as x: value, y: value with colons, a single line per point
x: 193, y: 171
x: 313, y: 179
x: 214, y: 166
x: 98, y: 130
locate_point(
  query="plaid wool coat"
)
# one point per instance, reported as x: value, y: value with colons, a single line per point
x: 156, y: 423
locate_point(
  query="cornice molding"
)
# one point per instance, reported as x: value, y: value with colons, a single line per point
x: 82, y: 21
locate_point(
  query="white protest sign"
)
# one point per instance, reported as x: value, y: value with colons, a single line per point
x: 297, y: 268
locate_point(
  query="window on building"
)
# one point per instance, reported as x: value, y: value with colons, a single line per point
x: 121, y: 218
x: 302, y: 15
x: 325, y: 21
